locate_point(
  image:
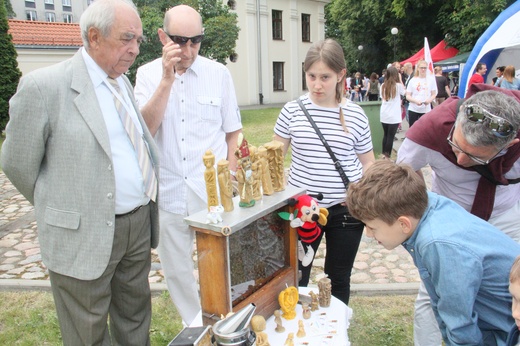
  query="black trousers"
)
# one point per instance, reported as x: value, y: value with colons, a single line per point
x: 413, y: 117
x: 389, y: 131
x: 343, y: 235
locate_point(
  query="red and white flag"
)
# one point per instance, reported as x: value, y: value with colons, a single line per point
x: 430, y: 74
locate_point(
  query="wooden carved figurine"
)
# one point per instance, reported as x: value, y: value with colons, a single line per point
x: 314, y: 301
x: 301, y: 330
x: 290, y: 340
x: 244, y: 173
x: 210, y: 177
x: 267, y: 184
x: 225, y: 185
x: 324, y: 286
x: 278, y: 320
x: 258, y: 326
x: 257, y: 173
x: 306, y: 311
x: 288, y: 299
x: 275, y: 158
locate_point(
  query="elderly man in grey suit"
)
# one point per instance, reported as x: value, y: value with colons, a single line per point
x: 78, y: 149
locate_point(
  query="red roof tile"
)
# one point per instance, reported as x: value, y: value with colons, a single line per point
x: 33, y: 33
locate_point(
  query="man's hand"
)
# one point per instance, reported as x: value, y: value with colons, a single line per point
x: 170, y: 57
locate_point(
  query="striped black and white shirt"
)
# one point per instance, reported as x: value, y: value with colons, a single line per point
x: 311, y: 166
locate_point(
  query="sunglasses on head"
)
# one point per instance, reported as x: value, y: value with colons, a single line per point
x: 499, y: 126
x: 182, y: 40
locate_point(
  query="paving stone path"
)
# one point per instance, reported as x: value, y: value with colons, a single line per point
x: 20, y: 252
x: 20, y: 257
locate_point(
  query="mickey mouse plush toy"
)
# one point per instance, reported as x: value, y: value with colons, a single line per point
x: 307, y: 218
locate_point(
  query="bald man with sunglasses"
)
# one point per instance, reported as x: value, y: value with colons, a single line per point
x: 472, y: 147
x: 189, y: 105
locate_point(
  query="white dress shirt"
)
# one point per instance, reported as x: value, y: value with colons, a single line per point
x: 201, y: 109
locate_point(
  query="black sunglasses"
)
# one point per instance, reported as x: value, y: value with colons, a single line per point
x: 182, y: 40
x: 499, y: 126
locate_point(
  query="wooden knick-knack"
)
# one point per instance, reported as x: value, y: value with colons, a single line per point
x: 210, y: 177
x: 225, y: 185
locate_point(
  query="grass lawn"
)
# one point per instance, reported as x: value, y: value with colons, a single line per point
x: 29, y: 318
x: 258, y: 127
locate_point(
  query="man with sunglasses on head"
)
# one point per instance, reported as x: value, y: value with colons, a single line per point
x: 189, y: 105
x: 472, y: 147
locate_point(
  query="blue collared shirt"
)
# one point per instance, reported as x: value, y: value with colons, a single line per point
x: 464, y: 263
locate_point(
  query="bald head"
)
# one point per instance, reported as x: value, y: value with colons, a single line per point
x: 183, y: 20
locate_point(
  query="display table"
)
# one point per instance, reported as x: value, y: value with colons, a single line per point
x: 327, y: 326
x: 248, y: 257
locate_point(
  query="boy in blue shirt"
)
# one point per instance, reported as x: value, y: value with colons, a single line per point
x: 463, y: 261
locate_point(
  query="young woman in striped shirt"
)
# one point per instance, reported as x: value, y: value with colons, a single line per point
x: 346, y: 130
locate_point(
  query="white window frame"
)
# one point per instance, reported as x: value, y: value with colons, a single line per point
x: 66, y: 3
x: 278, y: 76
x: 67, y: 16
x: 31, y: 12
x: 49, y: 2
x: 50, y: 17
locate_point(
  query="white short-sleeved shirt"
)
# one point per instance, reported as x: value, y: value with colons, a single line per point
x: 421, y: 89
x: 311, y: 166
x: 201, y: 109
x: 390, y: 112
x: 456, y: 183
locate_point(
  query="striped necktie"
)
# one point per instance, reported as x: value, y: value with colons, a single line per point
x: 143, y: 155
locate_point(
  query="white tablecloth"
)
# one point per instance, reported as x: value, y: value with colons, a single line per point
x: 327, y: 326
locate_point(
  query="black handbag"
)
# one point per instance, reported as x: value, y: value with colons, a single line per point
x: 337, y: 164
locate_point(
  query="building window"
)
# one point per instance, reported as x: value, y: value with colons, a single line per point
x: 30, y: 4
x: 277, y: 25
x: 50, y: 16
x: 278, y: 76
x: 67, y: 18
x: 31, y: 15
x: 306, y: 27
x: 65, y: 3
x: 304, y: 80
x: 49, y: 2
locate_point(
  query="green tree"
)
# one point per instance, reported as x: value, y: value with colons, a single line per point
x: 368, y: 23
x: 9, y: 8
x: 8, y: 65
x: 220, y: 29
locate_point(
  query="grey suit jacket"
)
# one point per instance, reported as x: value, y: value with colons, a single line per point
x: 57, y: 154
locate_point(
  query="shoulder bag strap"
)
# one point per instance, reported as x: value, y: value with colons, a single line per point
x: 337, y: 164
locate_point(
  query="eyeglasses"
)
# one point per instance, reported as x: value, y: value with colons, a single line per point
x: 182, y: 40
x: 499, y: 126
x: 474, y: 158
x: 423, y: 68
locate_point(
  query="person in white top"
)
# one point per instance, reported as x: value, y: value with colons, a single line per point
x: 390, y: 112
x: 190, y: 106
x: 420, y: 92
